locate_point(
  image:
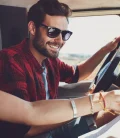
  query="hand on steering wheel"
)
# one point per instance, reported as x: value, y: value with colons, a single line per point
x: 109, y: 71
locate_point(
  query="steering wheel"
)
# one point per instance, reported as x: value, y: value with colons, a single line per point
x: 109, y: 71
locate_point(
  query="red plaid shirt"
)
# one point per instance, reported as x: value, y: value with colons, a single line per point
x: 20, y: 75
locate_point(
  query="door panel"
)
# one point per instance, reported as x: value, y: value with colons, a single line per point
x: 76, y: 89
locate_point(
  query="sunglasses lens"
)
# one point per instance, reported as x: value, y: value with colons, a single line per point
x: 66, y: 35
x: 53, y: 32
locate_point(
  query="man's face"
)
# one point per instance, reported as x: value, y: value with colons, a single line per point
x: 46, y: 46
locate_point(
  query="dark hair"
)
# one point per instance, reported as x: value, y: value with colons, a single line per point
x: 51, y: 7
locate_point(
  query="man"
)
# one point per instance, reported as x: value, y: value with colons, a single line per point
x: 31, y: 70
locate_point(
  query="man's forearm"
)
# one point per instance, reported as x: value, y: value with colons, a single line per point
x: 50, y: 112
x: 44, y: 112
x: 86, y: 68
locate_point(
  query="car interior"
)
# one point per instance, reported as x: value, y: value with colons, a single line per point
x: 13, y: 24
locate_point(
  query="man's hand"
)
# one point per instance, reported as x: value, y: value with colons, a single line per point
x: 111, y: 45
x: 102, y: 117
x: 112, y: 102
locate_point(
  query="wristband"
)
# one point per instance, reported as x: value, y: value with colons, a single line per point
x: 91, y: 103
x: 74, y: 108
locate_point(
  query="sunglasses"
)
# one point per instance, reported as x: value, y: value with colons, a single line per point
x: 53, y: 32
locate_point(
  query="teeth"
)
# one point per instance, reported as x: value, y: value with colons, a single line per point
x: 56, y: 47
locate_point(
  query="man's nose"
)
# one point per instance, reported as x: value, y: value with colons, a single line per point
x: 59, y: 38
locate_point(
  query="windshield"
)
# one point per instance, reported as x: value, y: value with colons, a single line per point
x: 89, y: 35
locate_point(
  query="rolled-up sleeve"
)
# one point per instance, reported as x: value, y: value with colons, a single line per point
x: 68, y: 74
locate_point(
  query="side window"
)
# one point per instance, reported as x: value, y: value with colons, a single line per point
x: 89, y: 35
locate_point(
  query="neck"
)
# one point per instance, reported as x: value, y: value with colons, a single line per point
x: 39, y: 57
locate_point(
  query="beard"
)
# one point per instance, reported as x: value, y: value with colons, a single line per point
x: 42, y: 47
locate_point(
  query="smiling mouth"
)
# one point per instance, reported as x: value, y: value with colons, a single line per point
x: 54, y: 48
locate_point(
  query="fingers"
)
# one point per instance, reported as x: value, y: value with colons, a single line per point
x: 112, y: 45
x: 116, y: 40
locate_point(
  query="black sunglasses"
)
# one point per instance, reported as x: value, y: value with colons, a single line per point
x: 53, y: 32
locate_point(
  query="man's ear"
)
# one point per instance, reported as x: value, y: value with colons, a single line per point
x: 31, y: 28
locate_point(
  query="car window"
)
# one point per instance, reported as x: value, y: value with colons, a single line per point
x: 89, y: 35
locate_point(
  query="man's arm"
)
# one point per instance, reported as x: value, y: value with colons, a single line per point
x: 86, y: 68
x: 49, y: 114
x: 13, y: 109
x: 82, y: 106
